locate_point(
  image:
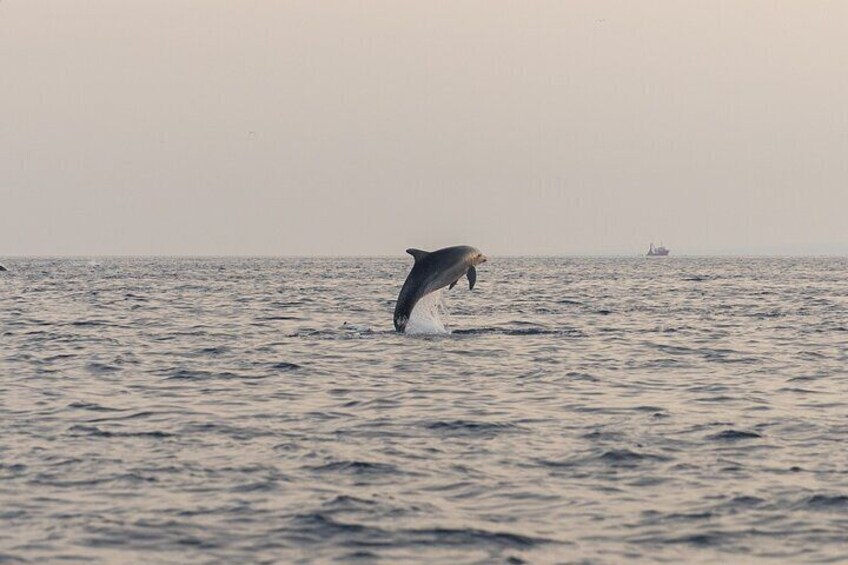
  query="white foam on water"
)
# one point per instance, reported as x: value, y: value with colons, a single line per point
x: 427, y: 316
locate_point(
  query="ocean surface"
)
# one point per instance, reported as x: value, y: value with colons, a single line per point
x: 673, y: 410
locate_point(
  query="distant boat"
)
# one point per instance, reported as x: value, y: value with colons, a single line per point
x: 660, y: 251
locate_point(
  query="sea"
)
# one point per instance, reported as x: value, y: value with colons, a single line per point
x: 567, y: 410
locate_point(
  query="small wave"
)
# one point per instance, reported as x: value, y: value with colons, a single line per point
x: 349, y: 327
x: 54, y: 481
x: 10, y: 470
x: 102, y: 368
x: 317, y: 526
x: 218, y: 350
x: 706, y: 539
x: 826, y: 502
x: 798, y: 390
x: 204, y: 375
x: 734, y: 435
x: 688, y: 517
x: 473, y: 537
x: 628, y: 458
x: 59, y: 357
x: 648, y: 408
x: 89, y: 323
x: 94, y: 431
x: 803, y: 378
x: 345, y: 502
x: 343, y: 334
x: 577, y: 376
x: 256, y: 486
x: 565, y: 332
x: 360, y: 555
x: 463, y: 427
x: 616, y: 458
x: 194, y: 375
x: 92, y: 406
x: 284, y: 366
x: 745, y: 501
x: 597, y: 435
x: 356, y: 468
x: 769, y: 314
x: 131, y: 416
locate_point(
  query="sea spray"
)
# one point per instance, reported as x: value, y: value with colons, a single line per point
x: 428, y: 316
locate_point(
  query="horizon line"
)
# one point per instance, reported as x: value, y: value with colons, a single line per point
x: 382, y: 255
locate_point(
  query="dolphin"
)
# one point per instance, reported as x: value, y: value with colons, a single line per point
x: 434, y: 270
x: 2, y: 268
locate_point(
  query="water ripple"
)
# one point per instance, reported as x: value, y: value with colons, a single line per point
x: 581, y: 410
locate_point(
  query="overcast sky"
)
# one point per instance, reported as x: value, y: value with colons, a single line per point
x: 526, y: 127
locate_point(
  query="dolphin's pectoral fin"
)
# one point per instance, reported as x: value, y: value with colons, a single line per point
x: 472, y: 277
x: 417, y: 254
x: 453, y: 284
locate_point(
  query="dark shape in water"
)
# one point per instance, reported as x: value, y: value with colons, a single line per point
x: 660, y: 251
x: 735, y: 435
x: 432, y: 271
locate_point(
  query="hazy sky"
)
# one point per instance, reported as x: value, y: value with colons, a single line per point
x: 316, y: 127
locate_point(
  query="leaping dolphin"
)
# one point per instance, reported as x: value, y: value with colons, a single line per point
x: 432, y: 271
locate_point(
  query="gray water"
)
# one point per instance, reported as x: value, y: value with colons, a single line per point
x: 582, y: 410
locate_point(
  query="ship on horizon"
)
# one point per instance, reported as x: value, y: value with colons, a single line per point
x: 660, y: 251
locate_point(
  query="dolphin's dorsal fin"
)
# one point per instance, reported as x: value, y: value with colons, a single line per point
x: 472, y: 277
x: 417, y: 254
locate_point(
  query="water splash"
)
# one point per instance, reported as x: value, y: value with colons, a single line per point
x: 427, y: 316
